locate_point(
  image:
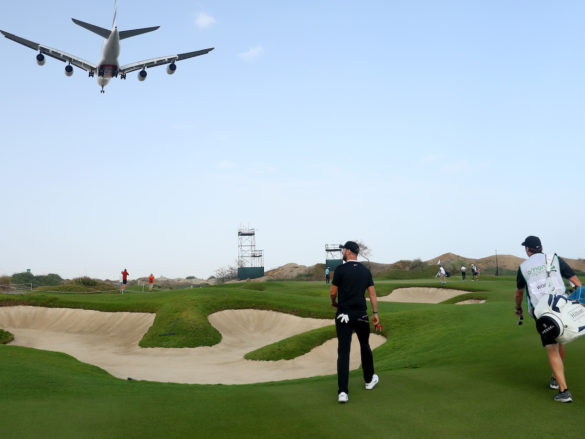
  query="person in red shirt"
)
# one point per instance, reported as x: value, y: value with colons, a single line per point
x: 150, y: 282
x: 124, y: 280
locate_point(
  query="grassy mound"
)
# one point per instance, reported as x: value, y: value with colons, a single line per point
x: 294, y: 346
x: 5, y: 337
x: 80, y: 285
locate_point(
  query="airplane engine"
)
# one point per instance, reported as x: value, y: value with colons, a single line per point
x: 41, y: 59
x: 142, y: 75
x: 68, y: 70
x: 171, y: 68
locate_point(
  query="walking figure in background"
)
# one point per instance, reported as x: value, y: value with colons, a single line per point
x: 124, y: 281
x: 463, y: 272
x: 327, y: 276
x: 474, y: 272
x: 150, y: 282
x: 442, y: 275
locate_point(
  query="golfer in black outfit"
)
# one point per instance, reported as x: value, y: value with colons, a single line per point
x: 350, y: 281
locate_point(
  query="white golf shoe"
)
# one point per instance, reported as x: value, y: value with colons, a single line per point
x: 372, y: 384
x: 342, y: 397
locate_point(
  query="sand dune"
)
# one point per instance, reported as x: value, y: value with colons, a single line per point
x: 110, y: 341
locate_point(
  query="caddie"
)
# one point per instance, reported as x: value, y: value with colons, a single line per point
x: 540, y: 276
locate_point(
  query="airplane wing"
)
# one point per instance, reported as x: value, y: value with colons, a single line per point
x: 162, y: 60
x: 53, y: 53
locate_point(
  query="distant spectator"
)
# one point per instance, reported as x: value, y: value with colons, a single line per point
x: 442, y: 275
x: 463, y: 272
x: 150, y: 282
x: 474, y: 272
x: 327, y: 276
x: 124, y: 280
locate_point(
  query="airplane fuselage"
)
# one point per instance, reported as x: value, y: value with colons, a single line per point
x: 108, y: 65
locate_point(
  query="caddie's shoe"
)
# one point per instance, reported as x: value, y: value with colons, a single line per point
x: 342, y: 397
x: 372, y: 384
x: 553, y: 383
x: 564, y: 396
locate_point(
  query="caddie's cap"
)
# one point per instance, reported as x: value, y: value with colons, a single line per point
x: 532, y: 242
x: 351, y: 246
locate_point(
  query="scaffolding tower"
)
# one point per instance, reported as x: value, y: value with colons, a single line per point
x: 250, y: 259
x: 333, y: 256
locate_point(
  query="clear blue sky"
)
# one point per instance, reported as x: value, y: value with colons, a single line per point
x: 417, y: 127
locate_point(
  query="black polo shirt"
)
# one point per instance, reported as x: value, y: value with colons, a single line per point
x: 352, y: 280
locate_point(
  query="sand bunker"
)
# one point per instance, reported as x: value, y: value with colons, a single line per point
x: 110, y: 341
x: 421, y: 295
x: 470, y: 302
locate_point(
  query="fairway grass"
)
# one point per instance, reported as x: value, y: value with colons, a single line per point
x: 446, y: 372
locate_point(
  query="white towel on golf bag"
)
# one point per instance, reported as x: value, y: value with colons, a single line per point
x: 569, y: 315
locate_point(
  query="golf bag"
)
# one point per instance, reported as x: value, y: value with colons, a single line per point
x: 560, y: 317
x: 578, y: 294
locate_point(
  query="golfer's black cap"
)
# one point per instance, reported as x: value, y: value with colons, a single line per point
x: 351, y: 246
x: 532, y: 242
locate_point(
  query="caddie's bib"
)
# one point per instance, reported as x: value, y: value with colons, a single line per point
x: 542, y: 278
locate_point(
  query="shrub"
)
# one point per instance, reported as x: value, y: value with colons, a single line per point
x: 225, y: 274
x: 5, y: 337
x: 418, y: 265
x: 4, y: 282
x: 85, y: 281
x: 48, y: 280
x: 36, y: 281
x: 23, y: 278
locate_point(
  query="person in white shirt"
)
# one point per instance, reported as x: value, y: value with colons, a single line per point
x: 442, y: 275
x: 541, y: 277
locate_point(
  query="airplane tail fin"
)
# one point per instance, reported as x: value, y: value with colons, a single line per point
x: 115, y: 13
x: 134, y: 32
x: 105, y: 33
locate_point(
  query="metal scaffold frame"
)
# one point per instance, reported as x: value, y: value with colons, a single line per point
x: 333, y: 256
x: 250, y: 259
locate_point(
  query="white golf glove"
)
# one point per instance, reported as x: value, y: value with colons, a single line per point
x: 343, y: 318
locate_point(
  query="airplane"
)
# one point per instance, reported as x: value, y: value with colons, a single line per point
x: 108, y: 66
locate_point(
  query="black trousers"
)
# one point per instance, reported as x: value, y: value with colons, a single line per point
x: 359, y: 323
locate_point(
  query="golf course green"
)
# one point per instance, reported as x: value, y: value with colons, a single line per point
x: 446, y: 371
